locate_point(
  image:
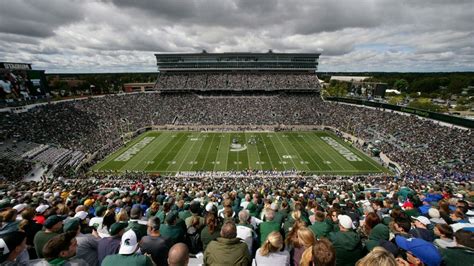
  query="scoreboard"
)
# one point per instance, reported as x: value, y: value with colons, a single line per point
x: 21, y: 81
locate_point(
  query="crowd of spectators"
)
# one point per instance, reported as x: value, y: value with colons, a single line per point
x: 12, y: 169
x: 141, y: 220
x: 422, y: 147
x: 237, y: 81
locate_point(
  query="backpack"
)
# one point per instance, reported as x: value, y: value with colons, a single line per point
x: 193, y: 240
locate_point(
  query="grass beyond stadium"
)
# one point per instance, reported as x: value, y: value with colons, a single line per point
x: 316, y: 152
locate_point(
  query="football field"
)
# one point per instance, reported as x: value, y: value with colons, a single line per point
x: 314, y: 152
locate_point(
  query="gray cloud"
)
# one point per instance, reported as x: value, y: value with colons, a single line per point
x: 120, y: 35
x: 37, y: 18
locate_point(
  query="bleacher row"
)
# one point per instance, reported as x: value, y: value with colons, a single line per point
x: 237, y: 81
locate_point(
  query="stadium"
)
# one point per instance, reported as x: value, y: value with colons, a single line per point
x: 229, y: 113
x: 242, y: 137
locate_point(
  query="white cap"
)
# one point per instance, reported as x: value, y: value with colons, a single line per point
x: 81, y: 215
x: 345, y: 221
x: 422, y: 219
x: 41, y: 208
x: 20, y: 207
x: 434, y: 213
x: 129, y: 243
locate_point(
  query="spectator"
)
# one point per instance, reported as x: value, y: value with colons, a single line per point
x: 320, y: 228
x: 154, y: 244
x: 378, y: 235
x: 127, y: 253
x: 402, y: 226
x: 245, y: 230
x: 463, y: 252
x: 10, y: 224
x: 60, y: 250
x: 445, y: 236
x: 268, y: 226
x: 270, y: 253
x: 435, y: 216
x: 227, y: 249
x: 321, y: 253
x: 13, y: 249
x: 346, y: 242
x: 171, y: 229
x: 299, y: 239
x: 87, y: 245
x: 53, y: 226
x: 39, y: 217
x: 178, y: 255
x: 378, y: 256
x: 111, y: 245
x: 195, y: 209
x: 30, y: 227
x: 134, y: 223
x: 419, y: 251
x: 421, y: 230
x: 211, y: 231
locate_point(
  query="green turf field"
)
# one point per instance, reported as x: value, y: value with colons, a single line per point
x: 172, y: 151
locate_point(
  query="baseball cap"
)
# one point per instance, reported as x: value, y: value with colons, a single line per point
x: 422, y: 219
x: 407, y: 205
x: 81, y: 215
x: 171, y: 217
x: 434, y: 213
x: 423, y: 250
x: 71, y: 225
x: 20, y: 207
x: 115, y: 228
x: 128, y: 244
x: 41, y: 208
x: 345, y: 221
x: 99, y: 211
x: 88, y: 202
x: 52, y: 220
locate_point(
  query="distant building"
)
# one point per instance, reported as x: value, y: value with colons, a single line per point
x: 138, y: 87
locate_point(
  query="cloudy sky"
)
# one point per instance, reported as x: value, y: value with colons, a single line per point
x: 352, y: 35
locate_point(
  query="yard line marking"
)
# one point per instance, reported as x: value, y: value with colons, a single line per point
x: 169, y: 151
x: 308, y: 154
x: 187, y: 154
x: 278, y: 154
x: 143, y: 154
x: 314, y: 151
x: 361, y: 154
x: 254, y: 147
x: 207, y: 153
x: 318, y: 139
x: 268, y: 153
x: 286, y: 150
